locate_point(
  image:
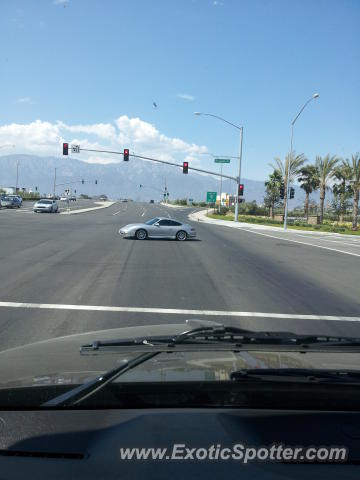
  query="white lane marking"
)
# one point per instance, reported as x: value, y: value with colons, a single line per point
x: 175, y: 311
x: 302, y: 243
x: 143, y: 213
x: 116, y: 213
x: 354, y: 243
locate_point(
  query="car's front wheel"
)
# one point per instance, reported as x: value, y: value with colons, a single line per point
x: 141, y: 234
x: 181, y: 236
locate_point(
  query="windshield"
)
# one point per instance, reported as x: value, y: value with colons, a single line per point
x: 173, y: 166
x: 152, y: 221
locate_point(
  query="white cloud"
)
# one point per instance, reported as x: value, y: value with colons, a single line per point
x: 217, y: 3
x: 27, y: 100
x: 186, y: 96
x: 142, y: 138
x: 60, y: 2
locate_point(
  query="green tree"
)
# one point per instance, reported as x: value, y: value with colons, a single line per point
x: 309, y: 182
x: 290, y: 167
x: 272, y: 197
x: 342, y: 191
x: 353, y: 175
x: 326, y: 166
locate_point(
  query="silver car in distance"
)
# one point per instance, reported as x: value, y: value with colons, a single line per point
x: 46, y: 205
x: 158, y: 227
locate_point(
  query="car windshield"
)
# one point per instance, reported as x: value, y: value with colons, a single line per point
x: 45, y: 201
x: 152, y: 221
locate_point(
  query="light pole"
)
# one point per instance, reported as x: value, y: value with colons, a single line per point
x: 287, y: 166
x: 17, y: 176
x: 240, y: 157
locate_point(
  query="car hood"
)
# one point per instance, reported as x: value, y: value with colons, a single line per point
x: 133, y: 225
x: 58, y: 360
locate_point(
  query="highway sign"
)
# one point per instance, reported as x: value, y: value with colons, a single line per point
x: 75, y: 148
x: 211, y: 197
x: 222, y: 160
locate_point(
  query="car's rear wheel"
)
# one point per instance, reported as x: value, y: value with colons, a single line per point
x: 141, y: 234
x: 181, y: 236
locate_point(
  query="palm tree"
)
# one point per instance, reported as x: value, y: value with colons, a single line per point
x: 325, y: 166
x: 342, y: 191
x: 291, y: 168
x: 273, y: 186
x: 309, y: 182
x: 353, y: 171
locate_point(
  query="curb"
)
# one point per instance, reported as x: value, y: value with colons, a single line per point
x: 173, y: 206
x: 91, y: 209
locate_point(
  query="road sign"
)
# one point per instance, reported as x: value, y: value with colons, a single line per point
x: 222, y: 160
x: 211, y: 197
x: 75, y: 148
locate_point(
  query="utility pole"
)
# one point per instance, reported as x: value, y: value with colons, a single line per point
x: 17, y: 176
x: 54, y: 183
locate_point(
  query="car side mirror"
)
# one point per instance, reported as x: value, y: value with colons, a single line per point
x: 156, y: 224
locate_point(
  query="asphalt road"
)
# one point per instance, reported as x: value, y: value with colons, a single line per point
x: 81, y: 262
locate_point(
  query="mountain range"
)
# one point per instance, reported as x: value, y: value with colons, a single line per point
x: 120, y: 180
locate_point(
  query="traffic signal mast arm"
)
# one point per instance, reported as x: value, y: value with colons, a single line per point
x: 77, y: 181
x: 163, y: 161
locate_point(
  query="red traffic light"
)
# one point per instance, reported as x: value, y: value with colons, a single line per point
x: 126, y: 154
x: 241, y: 189
x: 65, y: 149
x: 185, y: 167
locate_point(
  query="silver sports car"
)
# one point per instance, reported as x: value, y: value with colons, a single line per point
x: 158, y: 227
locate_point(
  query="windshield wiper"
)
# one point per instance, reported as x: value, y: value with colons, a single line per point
x: 80, y: 393
x: 299, y: 375
x: 222, y: 337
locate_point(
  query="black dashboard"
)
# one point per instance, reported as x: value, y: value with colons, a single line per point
x: 79, y: 444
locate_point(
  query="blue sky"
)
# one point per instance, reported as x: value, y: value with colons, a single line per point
x: 85, y: 63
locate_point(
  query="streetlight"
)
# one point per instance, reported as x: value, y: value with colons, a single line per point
x: 240, y: 157
x: 287, y: 173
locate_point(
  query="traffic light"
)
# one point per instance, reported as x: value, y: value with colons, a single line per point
x: 35, y: 189
x: 65, y: 149
x: 282, y: 192
x: 95, y: 182
x: 75, y: 191
x: 185, y: 167
x: 241, y: 189
x: 292, y: 192
x: 82, y: 181
x: 140, y: 185
x: 126, y: 154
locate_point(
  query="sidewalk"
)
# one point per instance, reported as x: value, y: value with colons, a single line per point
x: 201, y: 216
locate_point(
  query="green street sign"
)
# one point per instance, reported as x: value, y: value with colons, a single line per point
x: 211, y: 197
x: 222, y: 160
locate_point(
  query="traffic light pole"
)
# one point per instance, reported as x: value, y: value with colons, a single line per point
x: 169, y: 163
x: 239, y: 177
